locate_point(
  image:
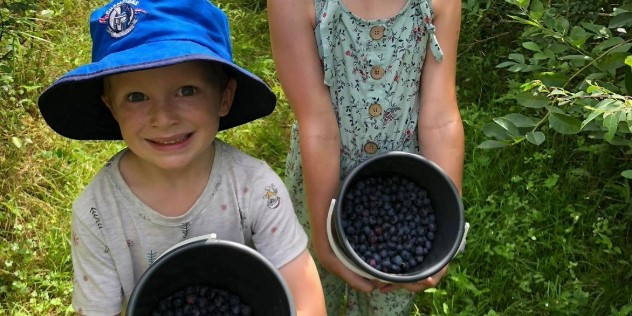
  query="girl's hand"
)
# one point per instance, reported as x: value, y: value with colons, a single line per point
x: 333, y: 265
x: 416, y: 286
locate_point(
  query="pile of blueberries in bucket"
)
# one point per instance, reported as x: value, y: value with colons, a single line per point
x: 202, y: 300
x: 389, y: 222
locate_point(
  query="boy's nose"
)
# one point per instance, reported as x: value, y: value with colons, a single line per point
x: 163, y: 114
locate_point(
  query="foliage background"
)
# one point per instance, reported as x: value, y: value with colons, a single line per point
x: 550, y: 211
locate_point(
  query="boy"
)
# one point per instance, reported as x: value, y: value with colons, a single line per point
x: 163, y: 80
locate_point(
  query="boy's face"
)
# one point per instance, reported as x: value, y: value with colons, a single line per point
x: 169, y: 116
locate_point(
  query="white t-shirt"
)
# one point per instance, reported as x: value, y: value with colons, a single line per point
x: 115, y: 236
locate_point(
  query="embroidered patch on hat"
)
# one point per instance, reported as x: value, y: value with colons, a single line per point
x: 121, y: 18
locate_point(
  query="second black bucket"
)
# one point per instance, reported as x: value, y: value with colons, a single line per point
x: 446, y: 202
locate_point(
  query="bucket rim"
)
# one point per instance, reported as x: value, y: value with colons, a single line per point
x: 203, y: 241
x: 392, y: 277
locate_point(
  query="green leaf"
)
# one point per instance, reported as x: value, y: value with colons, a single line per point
x: 612, y: 62
x: 520, y: 3
x: 578, y: 36
x: 517, y: 57
x: 561, y: 25
x: 523, y: 21
x: 620, y: 20
x: 597, y: 29
x: 491, y: 144
x: 517, y: 67
x: 505, y: 64
x: 531, y: 100
x: 551, y: 181
x: 533, y: 46
x: 621, y: 49
x: 628, y: 60
x: 536, y: 5
x: 564, y: 123
x: 611, y: 122
x: 596, y: 76
x: 519, y: 120
x: 552, y: 79
x: 508, y: 125
x: 540, y: 56
x: 600, y: 108
x: 627, y: 174
x: 607, y: 44
x: 493, y: 130
x: 558, y: 48
x: 535, y: 138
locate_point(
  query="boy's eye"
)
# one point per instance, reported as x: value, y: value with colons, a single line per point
x: 136, y: 97
x: 187, y: 91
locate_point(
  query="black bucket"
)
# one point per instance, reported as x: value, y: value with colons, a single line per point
x: 217, y: 264
x: 445, y: 200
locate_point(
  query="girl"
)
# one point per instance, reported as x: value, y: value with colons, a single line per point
x: 364, y: 77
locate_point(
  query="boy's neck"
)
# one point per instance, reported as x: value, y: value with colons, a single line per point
x: 168, y: 192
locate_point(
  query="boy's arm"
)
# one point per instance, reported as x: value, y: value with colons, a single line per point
x: 301, y: 277
x: 280, y: 238
x: 96, y: 289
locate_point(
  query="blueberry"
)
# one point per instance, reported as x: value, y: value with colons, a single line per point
x: 395, y: 268
x: 397, y: 260
x: 419, y: 250
x: 372, y: 263
x: 397, y: 211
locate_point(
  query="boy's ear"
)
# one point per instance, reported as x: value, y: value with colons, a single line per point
x: 106, y: 101
x: 228, y: 95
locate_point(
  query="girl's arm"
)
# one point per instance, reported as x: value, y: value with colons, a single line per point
x: 441, y: 134
x: 301, y: 75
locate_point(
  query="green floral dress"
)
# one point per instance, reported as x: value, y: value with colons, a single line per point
x: 373, y: 70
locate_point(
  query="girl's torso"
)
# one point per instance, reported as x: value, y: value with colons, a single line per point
x: 372, y: 55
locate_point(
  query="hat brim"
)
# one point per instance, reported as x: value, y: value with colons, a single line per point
x: 72, y: 105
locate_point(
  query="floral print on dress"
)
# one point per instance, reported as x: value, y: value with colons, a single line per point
x: 348, y: 54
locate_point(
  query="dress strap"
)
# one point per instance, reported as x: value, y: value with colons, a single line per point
x: 328, y: 15
x: 430, y: 28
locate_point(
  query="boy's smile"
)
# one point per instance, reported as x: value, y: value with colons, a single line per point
x: 169, y: 116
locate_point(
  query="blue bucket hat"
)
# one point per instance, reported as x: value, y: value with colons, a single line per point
x: 132, y: 35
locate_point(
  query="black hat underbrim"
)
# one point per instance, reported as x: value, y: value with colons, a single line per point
x: 73, y: 108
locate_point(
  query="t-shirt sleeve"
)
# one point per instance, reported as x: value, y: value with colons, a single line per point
x: 276, y: 231
x: 97, y: 290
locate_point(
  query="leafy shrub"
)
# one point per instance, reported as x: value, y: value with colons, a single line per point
x: 579, y: 78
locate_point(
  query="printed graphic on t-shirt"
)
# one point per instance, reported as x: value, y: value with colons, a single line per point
x: 271, y: 194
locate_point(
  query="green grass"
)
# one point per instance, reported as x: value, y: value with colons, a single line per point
x: 551, y: 226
